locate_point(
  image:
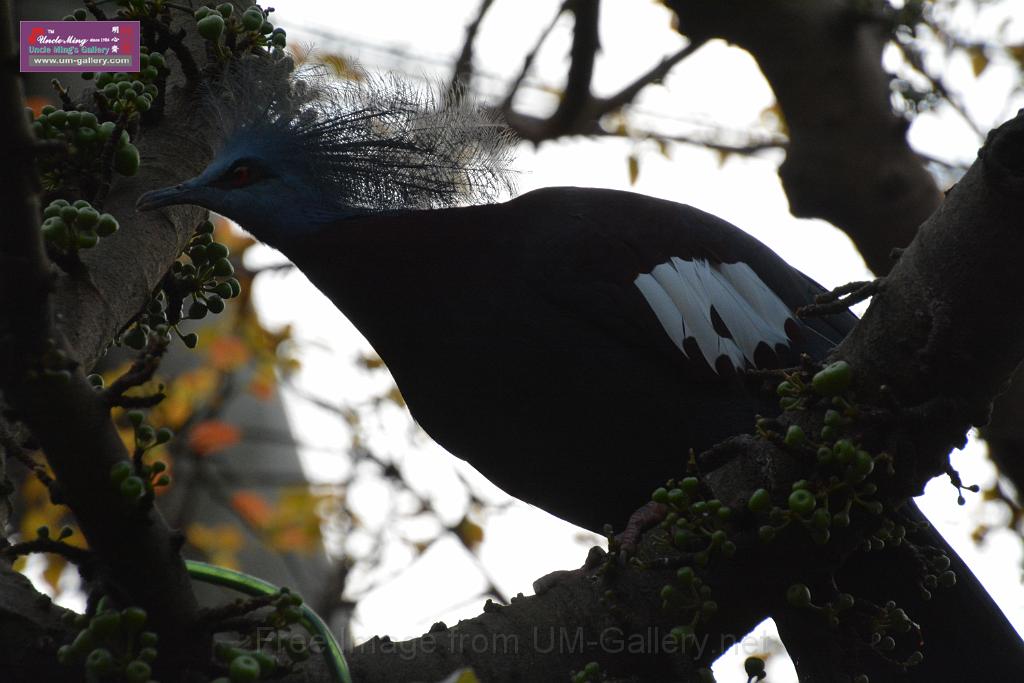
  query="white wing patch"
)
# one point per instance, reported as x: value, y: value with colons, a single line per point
x: 682, y: 293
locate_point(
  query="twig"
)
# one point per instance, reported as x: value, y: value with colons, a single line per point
x: 840, y: 298
x: 107, y: 161
x: 140, y: 372
x: 74, y: 555
x: 464, y: 64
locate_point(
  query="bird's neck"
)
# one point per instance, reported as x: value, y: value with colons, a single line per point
x: 382, y: 271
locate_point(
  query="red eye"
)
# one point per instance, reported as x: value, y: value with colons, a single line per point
x: 241, y: 176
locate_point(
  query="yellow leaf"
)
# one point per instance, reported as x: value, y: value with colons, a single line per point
x: 212, y: 436
x: 470, y: 533
x: 55, y: 565
x: 1017, y: 53
x: 979, y: 60
x: 634, y: 169
x: 219, y: 543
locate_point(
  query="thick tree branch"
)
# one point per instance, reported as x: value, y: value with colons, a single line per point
x: 848, y: 160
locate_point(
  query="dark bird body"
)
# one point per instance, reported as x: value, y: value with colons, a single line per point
x: 571, y: 344
x: 520, y: 342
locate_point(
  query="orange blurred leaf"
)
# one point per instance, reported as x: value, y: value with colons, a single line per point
x: 212, y: 436
x: 253, y: 508
x: 227, y: 353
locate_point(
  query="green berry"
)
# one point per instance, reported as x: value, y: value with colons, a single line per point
x: 137, y: 671
x: 86, y: 240
x: 120, y: 471
x: 766, y: 534
x: 104, y: 130
x: 244, y: 669
x: 863, y: 464
x: 80, y: 14
x: 660, y: 495
x: 801, y: 501
x: 794, y: 436
x: 759, y: 501
x: 197, y: 310
x: 126, y: 160
x: 135, y: 417
x: 216, y: 250
x: 85, y: 136
x: 236, y: 287
x: 151, y: 73
x: 133, y: 618
x: 99, y: 662
x: 156, y: 59
x: 105, y: 625
x: 225, y: 9
x: 798, y: 595
x: 106, y: 225
x: 144, y: 434
x: 57, y: 119
x: 69, y: 214
x: 211, y: 26
x: 88, y: 217
x: 252, y: 19
x: 132, y: 488
x: 833, y: 379
x: 214, y: 303
x: 190, y: 340
x: 222, y: 268
x: 163, y: 435
x: 55, y: 229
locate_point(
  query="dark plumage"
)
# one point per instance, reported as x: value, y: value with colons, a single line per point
x: 572, y: 344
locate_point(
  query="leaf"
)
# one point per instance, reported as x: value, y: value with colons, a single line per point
x: 219, y: 543
x: 227, y: 352
x: 634, y: 169
x: 979, y: 60
x: 253, y: 508
x: 213, y: 435
x: 262, y: 384
x: 55, y: 565
x: 470, y: 533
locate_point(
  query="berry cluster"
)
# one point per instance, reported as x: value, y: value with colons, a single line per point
x: 112, y: 645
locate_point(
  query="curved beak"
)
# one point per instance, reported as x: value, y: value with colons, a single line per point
x: 182, y: 193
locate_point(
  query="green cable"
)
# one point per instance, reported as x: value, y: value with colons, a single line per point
x: 250, y: 585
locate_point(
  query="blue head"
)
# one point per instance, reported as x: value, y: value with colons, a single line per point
x: 327, y: 152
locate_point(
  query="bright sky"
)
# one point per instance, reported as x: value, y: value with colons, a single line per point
x: 718, y: 86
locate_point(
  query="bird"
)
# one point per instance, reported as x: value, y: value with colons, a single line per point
x: 574, y: 345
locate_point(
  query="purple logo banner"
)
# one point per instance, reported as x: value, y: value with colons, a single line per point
x: 61, y: 46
